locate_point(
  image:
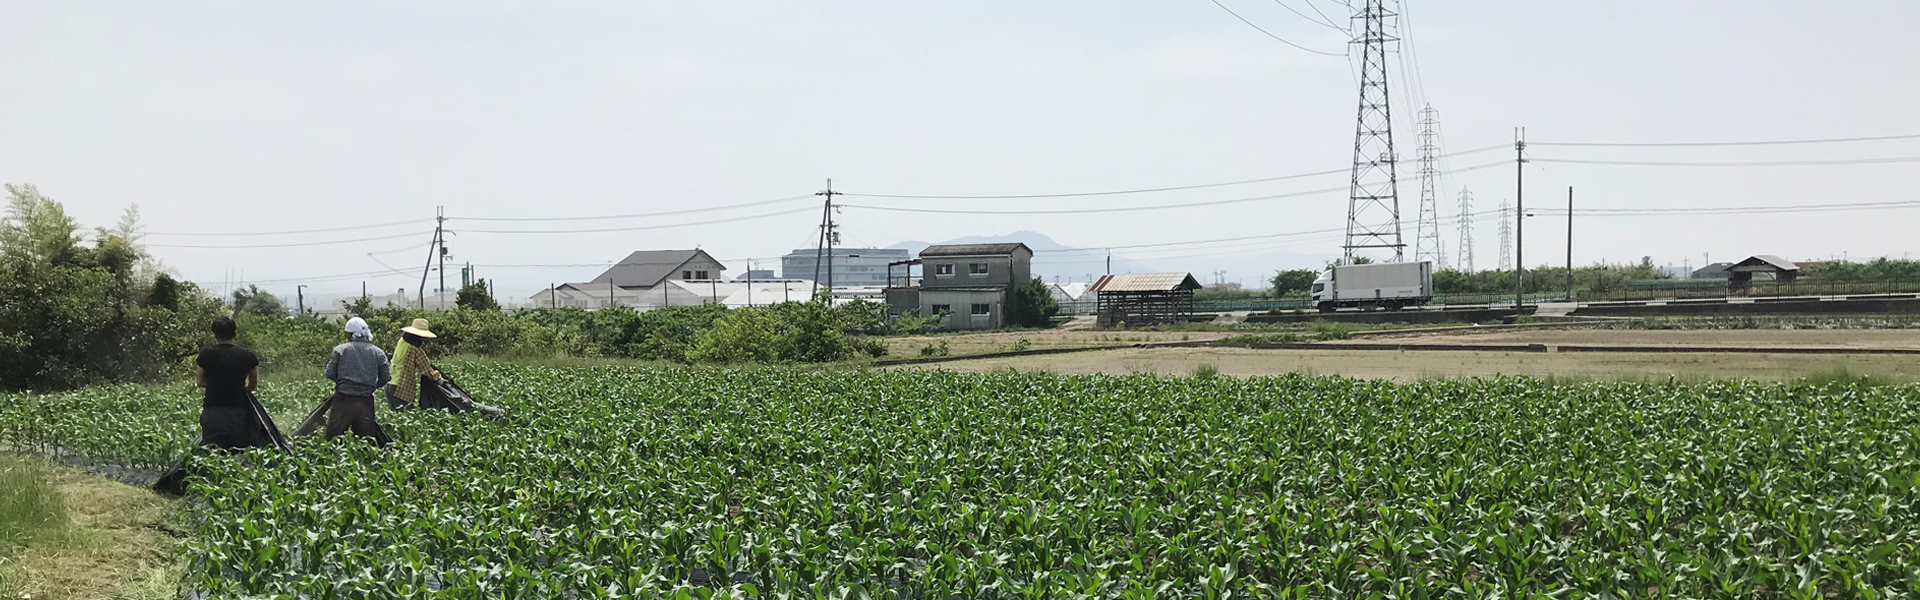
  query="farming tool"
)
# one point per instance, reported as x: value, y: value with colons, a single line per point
x: 174, y: 481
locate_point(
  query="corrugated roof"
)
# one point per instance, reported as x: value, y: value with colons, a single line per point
x: 646, y: 268
x: 1765, y: 261
x: 1145, y: 282
x: 973, y: 249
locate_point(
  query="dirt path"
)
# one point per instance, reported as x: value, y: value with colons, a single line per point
x: 1416, y: 365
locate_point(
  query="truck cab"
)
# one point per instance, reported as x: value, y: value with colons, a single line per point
x: 1322, y: 290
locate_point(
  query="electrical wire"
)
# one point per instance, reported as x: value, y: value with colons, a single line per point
x: 1729, y: 210
x: 1309, y: 19
x: 1749, y: 143
x: 1779, y: 163
x: 1269, y: 33
x: 645, y: 227
x: 635, y: 215
x: 1128, y: 208
x: 1150, y: 190
x: 298, y: 244
x: 1323, y: 15
x: 296, y: 231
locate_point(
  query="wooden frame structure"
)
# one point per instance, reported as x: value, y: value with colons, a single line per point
x: 1143, y: 299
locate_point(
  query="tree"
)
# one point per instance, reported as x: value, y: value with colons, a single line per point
x: 1296, y: 281
x: 1033, y: 305
x: 474, y: 296
x: 252, y: 300
x: 73, y: 314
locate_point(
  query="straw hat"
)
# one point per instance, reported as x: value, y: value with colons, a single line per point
x: 419, y: 328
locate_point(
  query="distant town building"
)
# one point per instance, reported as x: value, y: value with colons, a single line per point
x: 969, y: 285
x: 851, y: 266
x: 756, y: 275
x: 639, y: 280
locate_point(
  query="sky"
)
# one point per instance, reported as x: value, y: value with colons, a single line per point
x: 250, y: 118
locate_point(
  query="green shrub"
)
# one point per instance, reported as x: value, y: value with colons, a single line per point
x: 870, y: 346
x: 1205, y: 371
x: 932, y: 350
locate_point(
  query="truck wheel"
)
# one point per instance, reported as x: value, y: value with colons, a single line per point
x: 1326, y: 307
x: 1392, y: 305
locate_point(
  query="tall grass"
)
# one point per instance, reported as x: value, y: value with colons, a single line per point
x: 1840, y: 375
x: 29, y: 506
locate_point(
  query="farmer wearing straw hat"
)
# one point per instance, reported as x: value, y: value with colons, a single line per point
x: 357, y: 368
x: 410, y: 363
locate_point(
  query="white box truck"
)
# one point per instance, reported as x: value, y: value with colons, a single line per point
x: 1391, y: 286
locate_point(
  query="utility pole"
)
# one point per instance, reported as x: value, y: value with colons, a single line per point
x: 1465, y: 255
x: 363, y: 290
x: 1519, y: 223
x: 300, y: 299
x: 440, y: 222
x: 827, y: 237
x: 1109, y: 261
x: 750, y: 282
x: 553, y: 296
x: 1426, y: 236
x: 1570, y: 297
x: 441, y: 218
x: 1373, y: 199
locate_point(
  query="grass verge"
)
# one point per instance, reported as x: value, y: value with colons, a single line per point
x: 97, y: 539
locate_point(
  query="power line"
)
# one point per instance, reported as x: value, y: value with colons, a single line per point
x: 297, y: 231
x: 1779, y: 163
x: 1447, y: 220
x: 1072, y: 211
x: 1269, y: 33
x: 1150, y: 190
x: 642, y: 227
x: 1732, y: 210
x: 298, y: 244
x: 1749, y: 143
x: 1323, y: 15
x: 634, y: 215
x: 1310, y: 19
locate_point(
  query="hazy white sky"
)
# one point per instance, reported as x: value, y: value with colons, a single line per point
x: 248, y: 117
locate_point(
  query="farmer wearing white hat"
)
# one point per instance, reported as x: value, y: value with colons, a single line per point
x: 357, y: 368
x: 410, y: 363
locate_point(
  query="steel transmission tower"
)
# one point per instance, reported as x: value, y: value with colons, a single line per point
x: 1506, y: 235
x: 1373, y: 201
x: 1426, y: 235
x: 1465, y: 256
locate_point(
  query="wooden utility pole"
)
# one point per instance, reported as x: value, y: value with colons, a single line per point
x: 438, y: 229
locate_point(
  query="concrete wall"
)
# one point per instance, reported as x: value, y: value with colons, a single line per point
x: 961, y: 303
x: 1001, y: 271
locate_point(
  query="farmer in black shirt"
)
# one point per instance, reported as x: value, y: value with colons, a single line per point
x: 230, y: 373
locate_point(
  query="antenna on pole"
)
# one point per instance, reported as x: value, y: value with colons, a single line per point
x: 1373, y: 199
x: 1426, y: 237
x: 1465, y: 255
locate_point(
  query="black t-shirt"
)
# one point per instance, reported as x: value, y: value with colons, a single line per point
x: 227, y: 366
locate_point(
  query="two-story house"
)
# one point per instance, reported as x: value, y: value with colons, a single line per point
x: 971, y: 284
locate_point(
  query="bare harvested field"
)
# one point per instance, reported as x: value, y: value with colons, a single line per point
x: 1415, y: 365
x: 979, y: 343
x: 1765, y: 338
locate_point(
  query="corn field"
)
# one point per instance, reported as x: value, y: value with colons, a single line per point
x: 632, y: 483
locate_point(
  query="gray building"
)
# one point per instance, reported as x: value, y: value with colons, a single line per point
x: 971, y: 284
x: 639, y: 280
x: 851, y: 266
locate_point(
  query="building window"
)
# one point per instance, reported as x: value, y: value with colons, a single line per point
x: 945, y: 269
x: 976, y: 269
x: 699, y: 274
x: 981, y: 310
x: 686, y: 274
x: 942, y: 309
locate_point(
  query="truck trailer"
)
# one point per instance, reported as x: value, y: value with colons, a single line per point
x: 1390, y: 286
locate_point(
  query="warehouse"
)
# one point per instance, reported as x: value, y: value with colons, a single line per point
x: 1143, y: 299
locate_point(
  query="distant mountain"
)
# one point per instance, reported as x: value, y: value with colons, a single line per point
x: 1053, y: 261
